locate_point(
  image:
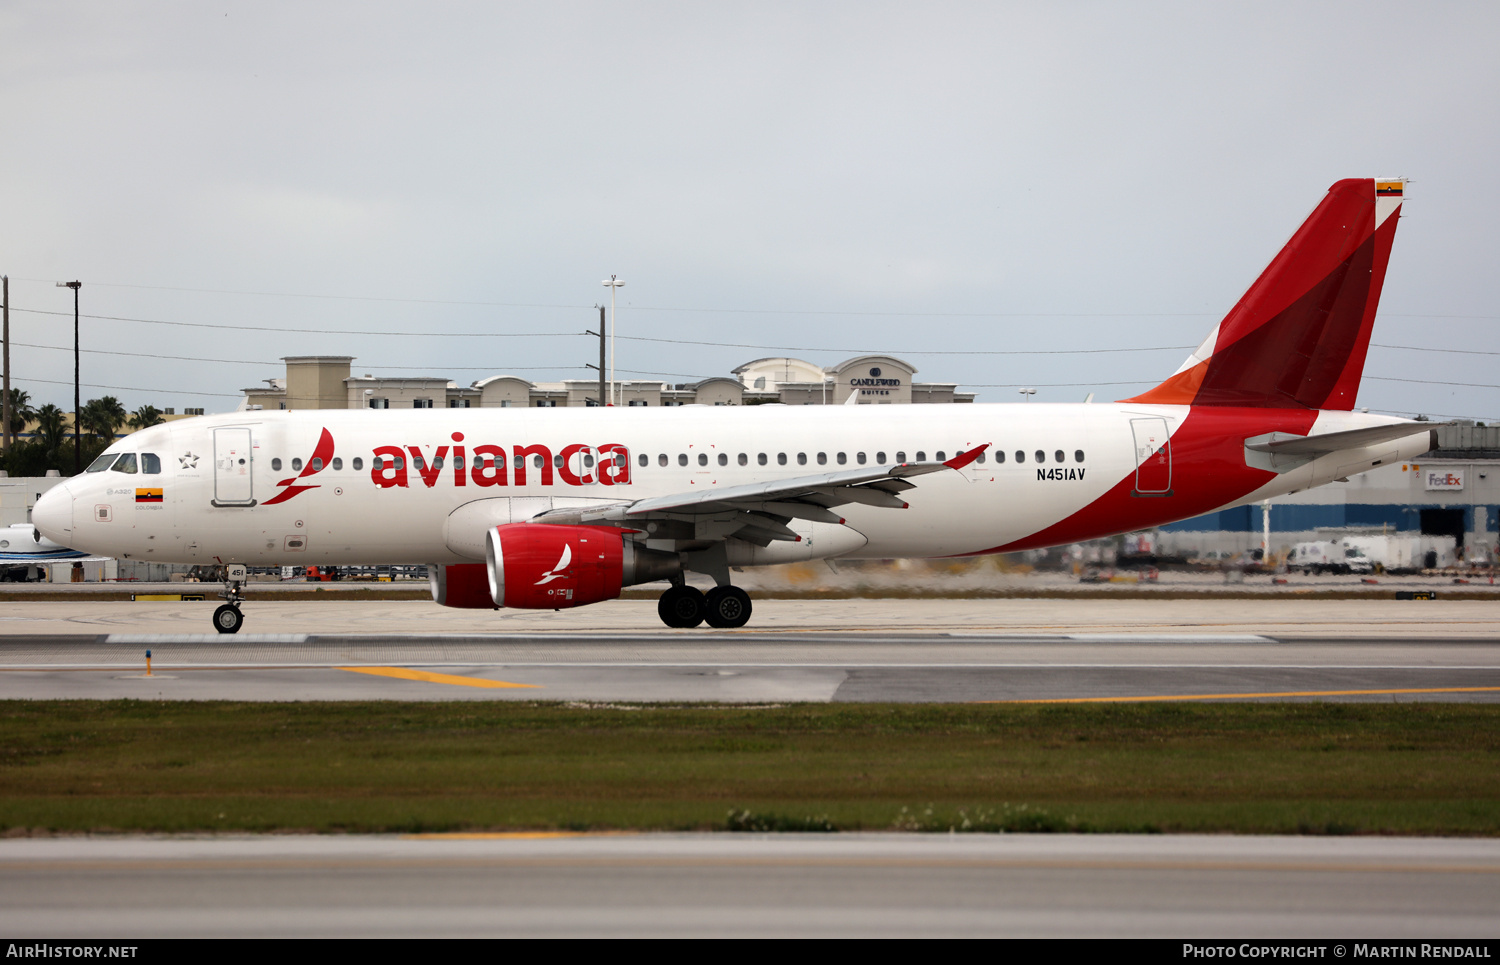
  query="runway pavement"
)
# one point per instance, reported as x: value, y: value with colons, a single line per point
x: 851, y: 650
x: 868, y: 885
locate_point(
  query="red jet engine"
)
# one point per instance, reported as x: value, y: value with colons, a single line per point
x: 547, y: 566
x: 539, y: 566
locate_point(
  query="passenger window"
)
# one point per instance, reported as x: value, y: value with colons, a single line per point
x: 940, y: 456
x: 338, y: 464
x: 761, y: 458
x: 702, y: 458
x: 297, y: 465
x: 921, y: 456
x: 275, y: 465
x: 744, y: 459
x: 644, y: 460
x: 880, y: 458
x: 723, y: 459
x: 358, y: 464
x: 556, y: 461
x: 842, y: 459
x: 900, y: 457
x: 126, y: 463
x: 418, y: 463
x: 102, y: 463
x: 150, y: 464
x: 620, y: 460
x: 682, y: 459
x: 539, y: 461
x: 1059, y: 456
x: 317, y: 465
x: 1041, y: 456
x: 1020, y: 456
x: 399, y: 461
x: 822, y: 458
x: 588, y: 461
x: 1078, y: 456
x: 378, y: 464
x: 999, y: 456
x: 979, y: 458
x: 661, y: 460
x: 801, y: 458
x: 781, y: 459
x: 859, y: 457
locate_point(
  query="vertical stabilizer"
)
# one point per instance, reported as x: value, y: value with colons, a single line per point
x: 1297, y: 339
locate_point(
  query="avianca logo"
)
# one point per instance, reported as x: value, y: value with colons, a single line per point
x: 321, y: 456
x: 490, y: 465
x: 556, y: 572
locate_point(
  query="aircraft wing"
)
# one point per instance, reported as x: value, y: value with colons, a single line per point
x: 1286, y: 443
x: 764, y: 509
x: 55, y: 556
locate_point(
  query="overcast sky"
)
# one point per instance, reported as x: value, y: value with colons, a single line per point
x: 812, y: 179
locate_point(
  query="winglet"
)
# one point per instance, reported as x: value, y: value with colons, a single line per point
x: 964, y: 458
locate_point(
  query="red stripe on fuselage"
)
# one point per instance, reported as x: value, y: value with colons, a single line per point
x: 1208, y: 471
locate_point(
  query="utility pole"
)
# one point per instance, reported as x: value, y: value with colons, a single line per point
x: 602, y: 331
x: 614, y: 284
x: 600, y: 367
x: 5, y: 311
x: 77, y: 429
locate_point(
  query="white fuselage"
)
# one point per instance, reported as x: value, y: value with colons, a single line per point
x: 242, y: 488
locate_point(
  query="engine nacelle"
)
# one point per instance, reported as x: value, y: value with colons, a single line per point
x: 462, y: 585
x: 545, y: 566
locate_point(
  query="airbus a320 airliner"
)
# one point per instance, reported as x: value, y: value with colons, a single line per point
x: 557, y: 508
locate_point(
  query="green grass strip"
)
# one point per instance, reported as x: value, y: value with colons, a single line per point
x: 1324, y: 768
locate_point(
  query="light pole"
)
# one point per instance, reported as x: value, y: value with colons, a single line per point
x: 77, y: 436
x: 1027, y: 393
x: 613, y: 284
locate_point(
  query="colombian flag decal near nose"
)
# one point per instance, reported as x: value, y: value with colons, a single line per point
x: 148, y: 495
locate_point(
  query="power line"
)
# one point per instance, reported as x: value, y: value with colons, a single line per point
x: 307, y: 331
x: 633, y: 338
x: 194, y: 358
x: 1472, y: 385
x: 1424, y: 348
x: 136, y: 388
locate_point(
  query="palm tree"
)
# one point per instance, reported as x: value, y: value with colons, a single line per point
x: 50, y: 427
x: 102, y: 417
x: 145, y: 417
x: 21, y: 412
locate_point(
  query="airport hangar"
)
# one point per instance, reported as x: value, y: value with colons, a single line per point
x: 1452, y: 491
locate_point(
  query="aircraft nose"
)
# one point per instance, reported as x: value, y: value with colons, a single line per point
x: 53, y: 514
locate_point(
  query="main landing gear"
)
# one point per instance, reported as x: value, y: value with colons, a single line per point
x: 723, y: 608
x: 228, y: 618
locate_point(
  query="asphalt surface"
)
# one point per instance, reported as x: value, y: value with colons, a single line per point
x: 859, y: 666
x: 866, y: 885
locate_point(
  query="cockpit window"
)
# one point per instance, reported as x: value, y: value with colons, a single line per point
x: 150, y: 465
x: 126, y: 463
x: 102, y: 463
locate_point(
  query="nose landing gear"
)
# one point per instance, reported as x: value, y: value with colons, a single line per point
x: 227, y: 618
x: 724, y: 607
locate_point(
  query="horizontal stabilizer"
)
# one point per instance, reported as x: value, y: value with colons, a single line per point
x: 1284, y: 443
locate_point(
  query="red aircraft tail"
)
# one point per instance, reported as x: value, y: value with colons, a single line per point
x: 1297, y: 339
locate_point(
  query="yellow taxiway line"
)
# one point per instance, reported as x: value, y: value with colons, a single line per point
x: 1289, y: 693
x: 438, y: 678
